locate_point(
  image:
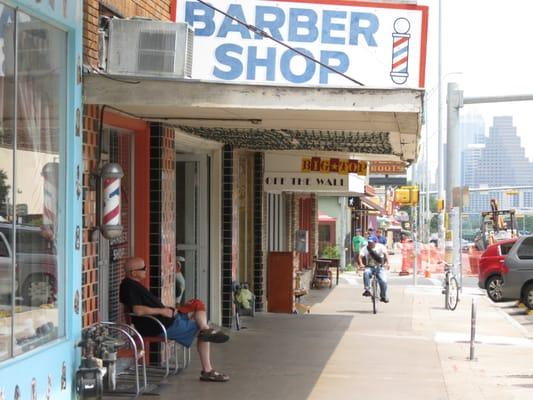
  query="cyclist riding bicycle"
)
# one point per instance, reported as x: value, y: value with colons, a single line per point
x: 374, y: 257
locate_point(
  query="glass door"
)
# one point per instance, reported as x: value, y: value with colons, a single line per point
x: 192, y: 224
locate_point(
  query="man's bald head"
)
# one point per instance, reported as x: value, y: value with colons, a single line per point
x: 134, y: 266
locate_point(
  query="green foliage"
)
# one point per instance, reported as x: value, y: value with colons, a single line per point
x: 331, y: 252
x: 349, y: 267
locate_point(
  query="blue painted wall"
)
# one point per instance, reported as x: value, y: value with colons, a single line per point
x: 46, y: 363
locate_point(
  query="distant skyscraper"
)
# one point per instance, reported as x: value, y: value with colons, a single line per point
x: 500, y: 162
x: 503, y: 161
x: 472, y: 130
x: 471, y: 160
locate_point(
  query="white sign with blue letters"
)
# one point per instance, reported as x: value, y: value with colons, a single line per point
x: 379, y: 45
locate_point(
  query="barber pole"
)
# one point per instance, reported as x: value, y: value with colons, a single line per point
x: 112, y: 201
x: 400, y: 51
x: 111, y: 175
x: 50, y: 176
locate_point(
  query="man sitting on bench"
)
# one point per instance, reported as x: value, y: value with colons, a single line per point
x: 183, y: 325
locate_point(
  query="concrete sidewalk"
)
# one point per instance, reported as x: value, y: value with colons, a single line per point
x: 412, y: 349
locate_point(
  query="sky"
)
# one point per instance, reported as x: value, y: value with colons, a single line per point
x: 487, y: 49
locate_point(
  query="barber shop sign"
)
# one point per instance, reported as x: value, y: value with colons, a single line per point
x: 376, y: 44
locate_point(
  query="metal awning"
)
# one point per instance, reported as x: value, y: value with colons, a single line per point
x: 368, y: 123
x: 371, y: 204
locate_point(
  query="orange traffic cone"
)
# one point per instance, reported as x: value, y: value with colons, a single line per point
x: 427, y: 273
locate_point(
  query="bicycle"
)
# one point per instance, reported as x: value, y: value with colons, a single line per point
x: 450, y: 288
x: 374, y: 291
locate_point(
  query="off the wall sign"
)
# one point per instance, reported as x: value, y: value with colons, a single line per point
x: 305, y: 182
x: 334, y: 165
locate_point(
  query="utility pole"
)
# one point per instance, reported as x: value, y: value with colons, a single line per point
x: 453, y: 178
x: 440, y: 177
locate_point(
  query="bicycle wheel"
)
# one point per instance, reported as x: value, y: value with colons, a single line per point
x: 445, y: 289
x: 453, y: 293
x: 374, y: 295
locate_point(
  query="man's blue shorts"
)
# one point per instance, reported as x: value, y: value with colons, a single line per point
x: 183, y: 330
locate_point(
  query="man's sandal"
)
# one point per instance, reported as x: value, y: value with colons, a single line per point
x: 212, y: 335
x: 213, y: 376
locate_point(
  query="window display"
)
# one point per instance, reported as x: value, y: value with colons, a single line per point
x: 32, y: 133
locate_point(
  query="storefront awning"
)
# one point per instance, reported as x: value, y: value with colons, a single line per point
x: 382, y: 124
x: 325, y: 218
x: 372, y: 204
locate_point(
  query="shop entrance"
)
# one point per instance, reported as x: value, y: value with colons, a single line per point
x: 192, y: 223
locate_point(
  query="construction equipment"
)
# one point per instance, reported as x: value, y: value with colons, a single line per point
x: 496, y: 225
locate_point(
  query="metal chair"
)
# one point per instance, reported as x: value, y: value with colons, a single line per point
x: 165, y: 341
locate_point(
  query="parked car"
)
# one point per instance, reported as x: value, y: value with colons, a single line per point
x: 518, y: 276
x: 36, y: 264
x: 492, y: 266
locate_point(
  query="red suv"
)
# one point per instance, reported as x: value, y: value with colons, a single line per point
x: 492, y: 267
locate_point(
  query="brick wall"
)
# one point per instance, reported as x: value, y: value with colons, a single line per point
x: 162, y: 213
x: 227, y: 235
x: 258, y: 283
x: 313, y: 233
x: 89, y: 247
x: 156, y: 9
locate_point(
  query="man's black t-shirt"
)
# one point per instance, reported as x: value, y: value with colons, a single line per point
x: 132, y: 293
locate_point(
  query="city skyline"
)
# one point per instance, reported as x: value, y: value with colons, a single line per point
x: 495, y: 160
x: 500, y: 65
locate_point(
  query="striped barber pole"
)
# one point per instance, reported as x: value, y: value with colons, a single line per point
x: 112, y: 201
x: 50, y: 176
x: 400, y: 51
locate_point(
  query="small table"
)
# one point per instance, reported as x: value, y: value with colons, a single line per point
x: 333, y: 263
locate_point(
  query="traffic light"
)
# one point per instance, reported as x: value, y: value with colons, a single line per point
x: 407, y: 195
x: 402, y: 196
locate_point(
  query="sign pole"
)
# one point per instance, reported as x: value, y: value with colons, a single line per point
x: 453, y: 175
x: 414, y: 227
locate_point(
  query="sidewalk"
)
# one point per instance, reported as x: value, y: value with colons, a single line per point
x: 412, y: 349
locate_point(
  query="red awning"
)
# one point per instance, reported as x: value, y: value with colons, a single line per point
x: 325, y: 218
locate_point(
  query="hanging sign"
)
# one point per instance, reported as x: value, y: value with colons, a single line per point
x: 387, y: 168
x: 334, y: 165
x: 377, y: 44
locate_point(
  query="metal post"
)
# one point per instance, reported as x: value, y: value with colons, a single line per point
x: 414, y: 227
x: 453, y: 171
x: 473, y: 329
x: 440, y: 178
x: 427, y: 211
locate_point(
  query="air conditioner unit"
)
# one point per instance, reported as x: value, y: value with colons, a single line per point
x: 140, y: 47
x: 41, y: 49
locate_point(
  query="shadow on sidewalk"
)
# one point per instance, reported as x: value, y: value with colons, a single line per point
x: 355, y: 311
x: 279, y: 356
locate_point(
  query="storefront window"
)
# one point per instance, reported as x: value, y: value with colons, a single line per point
x: 32, y: 109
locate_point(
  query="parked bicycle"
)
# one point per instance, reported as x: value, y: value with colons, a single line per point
x: 450, y: 287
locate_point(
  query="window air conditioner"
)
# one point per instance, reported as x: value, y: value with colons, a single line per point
x: 140, y: 47
x: 39, y: 49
